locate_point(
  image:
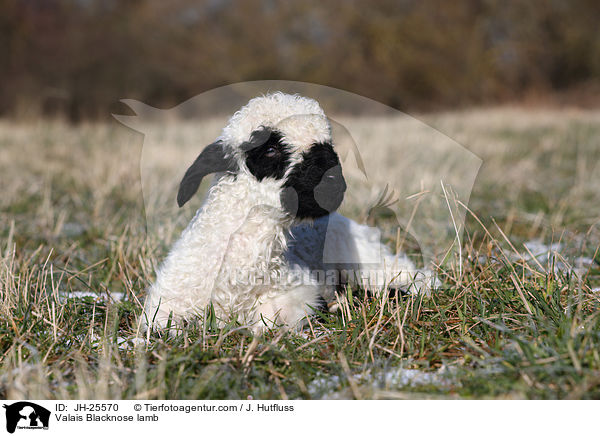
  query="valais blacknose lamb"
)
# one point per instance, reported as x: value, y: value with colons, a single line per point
x: 267, y: 247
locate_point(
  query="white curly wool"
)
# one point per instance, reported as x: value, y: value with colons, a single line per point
x: 240, y: 253
x: 230, y: 255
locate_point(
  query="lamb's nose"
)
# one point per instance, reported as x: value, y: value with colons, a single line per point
x: 334, y: 179
x: 330, y: 192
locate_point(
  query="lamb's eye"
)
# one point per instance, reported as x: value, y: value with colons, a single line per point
x: 266, y: 157
x: 271, y: 152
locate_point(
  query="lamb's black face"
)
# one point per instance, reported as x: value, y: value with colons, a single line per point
x: 314, y: 187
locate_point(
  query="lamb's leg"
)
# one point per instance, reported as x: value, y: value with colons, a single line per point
x: 361, y: 257
x: 289, y: 307
x: 159, y: 316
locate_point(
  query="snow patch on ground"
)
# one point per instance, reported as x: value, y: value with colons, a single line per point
x: 399, y: 377
x: 551, y: 257
x: 123, y: 343
x: 129, y: 343
x: 116, y: 296
x: 333, y: 387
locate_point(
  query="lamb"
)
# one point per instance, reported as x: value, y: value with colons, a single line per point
x: 267, y: 225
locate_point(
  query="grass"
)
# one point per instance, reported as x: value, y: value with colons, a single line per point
x: 503, y: 325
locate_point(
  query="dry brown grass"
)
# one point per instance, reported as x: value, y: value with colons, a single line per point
x: 72, y: 219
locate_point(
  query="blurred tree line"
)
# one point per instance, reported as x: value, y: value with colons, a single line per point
x: 79, y: 57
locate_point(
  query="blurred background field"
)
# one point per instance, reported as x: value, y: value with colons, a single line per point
x: 514, y: 83
x: 77, y: 58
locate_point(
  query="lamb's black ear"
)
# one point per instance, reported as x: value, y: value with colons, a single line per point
x: 213, y: 159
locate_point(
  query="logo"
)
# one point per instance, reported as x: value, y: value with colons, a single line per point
x: 26, y: 415
x: 402, y: 173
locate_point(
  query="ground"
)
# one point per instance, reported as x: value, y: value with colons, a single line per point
x: 516, y: 315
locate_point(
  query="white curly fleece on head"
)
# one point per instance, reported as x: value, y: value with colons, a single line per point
x: 301, y: 118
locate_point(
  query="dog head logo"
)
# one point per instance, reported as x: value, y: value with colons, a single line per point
x: 424, y: 177
x: 26, y: 415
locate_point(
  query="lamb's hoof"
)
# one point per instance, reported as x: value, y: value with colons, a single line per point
x: 396, y: 290
x: 333, y: 306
